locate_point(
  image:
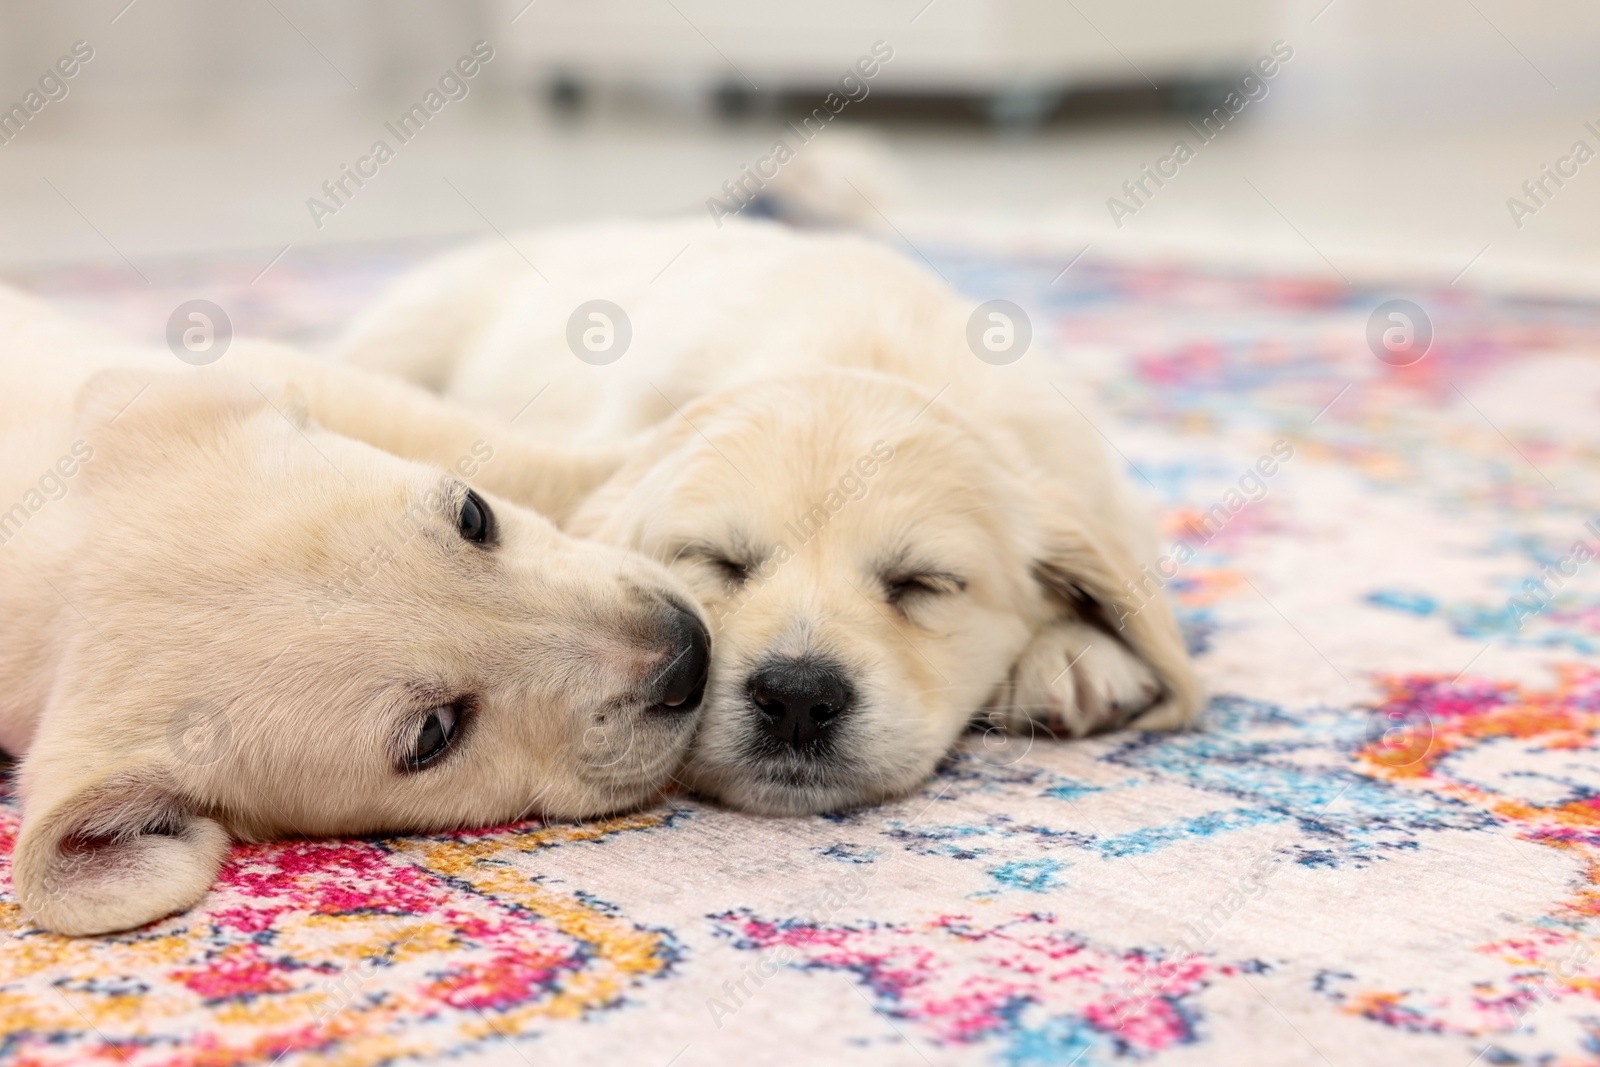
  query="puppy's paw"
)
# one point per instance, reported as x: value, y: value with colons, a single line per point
x: 1074, y: 680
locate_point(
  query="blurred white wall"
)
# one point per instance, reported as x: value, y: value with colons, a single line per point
x: 205, y: 124
x: 191, y: 57
x: 1440, y: 63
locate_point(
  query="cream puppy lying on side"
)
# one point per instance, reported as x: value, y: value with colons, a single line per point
x: 227, y: 614
x: 891, y: 535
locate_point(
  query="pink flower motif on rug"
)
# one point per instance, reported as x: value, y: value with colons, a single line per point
x: 1026, y: 984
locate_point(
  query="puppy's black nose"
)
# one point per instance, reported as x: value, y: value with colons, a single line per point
x: 798, y: 700
x: 682, y: 682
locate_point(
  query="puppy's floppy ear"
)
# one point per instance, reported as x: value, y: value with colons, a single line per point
x: 293, y: 404
x: 1091, y: 572
x: 400, y: 418
x: 108, y: 393
x: 638, y: 458
x: 117, y: 394
x: 118, y: 853
x: 161, y: 414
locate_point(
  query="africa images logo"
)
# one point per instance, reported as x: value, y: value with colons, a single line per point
x: 1250, y: 88
x: 454, y: 84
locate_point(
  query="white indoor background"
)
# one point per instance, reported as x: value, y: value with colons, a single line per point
x: 1394, y: 136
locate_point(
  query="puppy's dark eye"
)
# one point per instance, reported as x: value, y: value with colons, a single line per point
x: 476, y: 521
x: 901, y: 589
x: 434, y: 736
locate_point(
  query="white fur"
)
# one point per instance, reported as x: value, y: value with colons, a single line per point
x: 764, y: 363
x: 176, y: 671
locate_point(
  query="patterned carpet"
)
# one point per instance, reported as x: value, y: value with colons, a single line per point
x: 1382, y: 845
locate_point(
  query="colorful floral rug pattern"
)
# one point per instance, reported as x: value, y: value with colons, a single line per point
x: 1381, y: 845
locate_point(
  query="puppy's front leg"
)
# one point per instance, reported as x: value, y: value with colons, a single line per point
x: 1074, y: 680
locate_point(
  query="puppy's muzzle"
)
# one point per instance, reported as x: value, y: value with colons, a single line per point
x: 682, y: 682
x: 799, y: 701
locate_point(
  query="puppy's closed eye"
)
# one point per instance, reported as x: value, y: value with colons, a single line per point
x: 732, y: 571
x: 902, y: 590
x: 728, y: 566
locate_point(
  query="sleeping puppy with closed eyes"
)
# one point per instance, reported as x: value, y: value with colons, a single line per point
x: 278, y: 597
x: 891, y: 536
